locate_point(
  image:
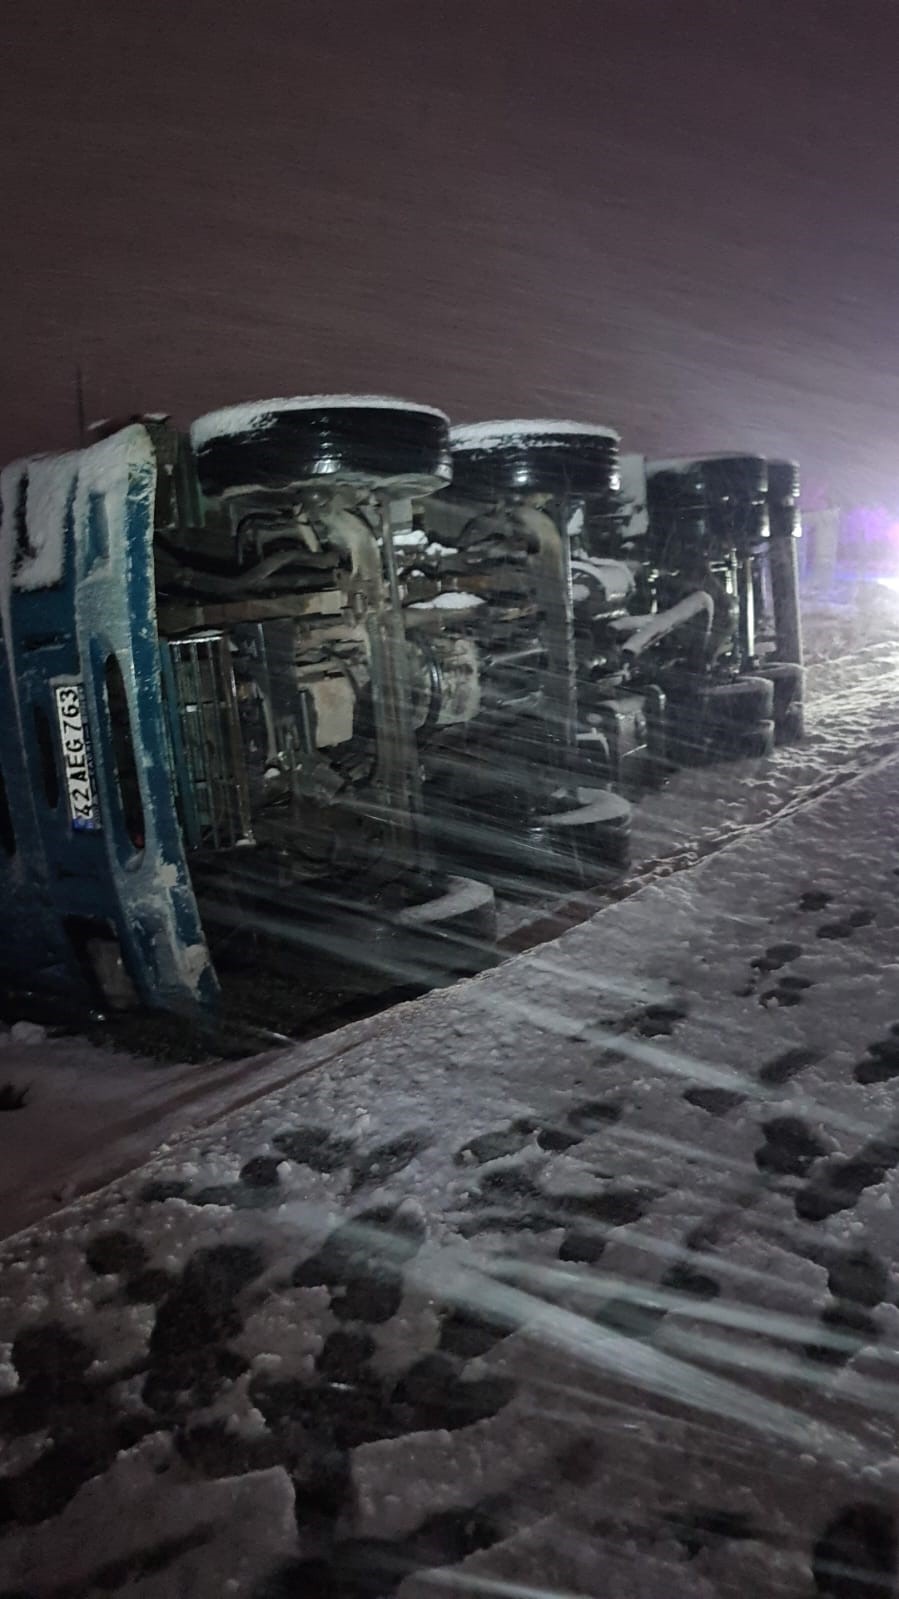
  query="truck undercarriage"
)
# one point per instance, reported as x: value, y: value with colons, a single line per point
x: 305, y: 685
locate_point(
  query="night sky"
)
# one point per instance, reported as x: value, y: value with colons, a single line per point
x: 674, y: 217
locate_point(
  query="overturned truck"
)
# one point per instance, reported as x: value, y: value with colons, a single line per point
x: 272, y: 690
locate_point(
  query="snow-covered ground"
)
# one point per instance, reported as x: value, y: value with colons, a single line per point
x: 579, y: 1278
x: 91, y: 1114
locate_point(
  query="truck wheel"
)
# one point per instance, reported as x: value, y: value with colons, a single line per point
x: 495, y: 459
x: 595, y: 830
x: 455, y: 930
x: 744, y: 743
x: 278, y: 446
x: 742, y: 703
x: 788, y: 679
x: 708, y: 724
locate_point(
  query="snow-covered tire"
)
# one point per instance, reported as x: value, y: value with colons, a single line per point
x: 742, y: 703
x: 744, y: 743
x: 401, y: 449
x: 466, y: 905
x: 788, y: 680
x: 492, y: 460
x: 709, y: 723
x: 596, y: 829
x: 456, y: 929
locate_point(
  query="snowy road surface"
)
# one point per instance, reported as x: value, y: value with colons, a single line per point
x: 578, y: 1279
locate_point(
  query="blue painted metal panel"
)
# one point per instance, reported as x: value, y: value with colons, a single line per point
x: 100, y: 602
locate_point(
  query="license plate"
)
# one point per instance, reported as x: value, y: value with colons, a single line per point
x: 77, y: 757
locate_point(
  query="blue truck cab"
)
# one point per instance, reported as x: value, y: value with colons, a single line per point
x: 96, y: 889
